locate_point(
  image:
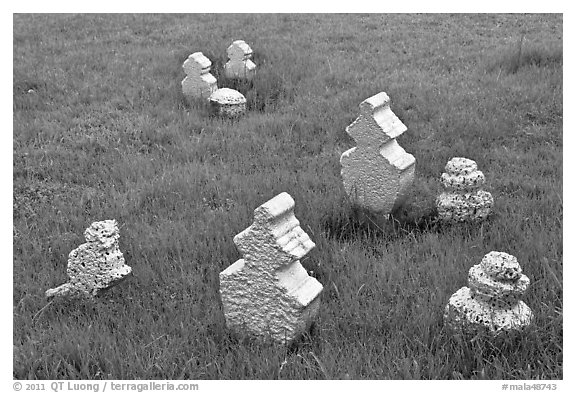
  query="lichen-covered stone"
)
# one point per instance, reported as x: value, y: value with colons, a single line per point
x: 463, y: 200
x: 199, y: 82
x: 227, y: 102
x: 492, y: 299
x: 378, y: 172
x: 95, y: 265
x: 268, y: 295
x: 240, y: 66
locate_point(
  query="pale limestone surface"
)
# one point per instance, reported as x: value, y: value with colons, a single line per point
x: 463, y: 200
x: 492, y: 299
x: 228, y: 103
x: 199, y: 82
x: 378, y: 172
x: 268, y: 295
x: 95, y: 265
x: 239, y: 66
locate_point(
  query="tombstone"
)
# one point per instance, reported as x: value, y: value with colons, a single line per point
x: 199, y: 82
x: 491, y: 302
x: 268, y: 295
x: 228, y: 103
x: 95, y: 265
x: 463, y: 200
x: 378, y: 172
x: 239, y: 66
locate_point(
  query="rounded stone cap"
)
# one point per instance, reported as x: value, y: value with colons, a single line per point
x: 462, y: 174
x: 226, y: 96
x: 501, y: 266
x: 239, y: 49
x: 461, y: 166
x: 196, y: 63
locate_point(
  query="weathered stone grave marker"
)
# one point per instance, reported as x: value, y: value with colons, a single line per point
x: 228, y: 103
x: 463, y: 199
x: 268, y: 294
x: 95, y: 265
x: 492, y: 298
x: 378, y: 172
x: 199, y: 82
x: 240, y: 66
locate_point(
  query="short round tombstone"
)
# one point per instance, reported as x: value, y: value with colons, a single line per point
x: 463, y: 199
x: 491, y: 301
x: 227, y: 102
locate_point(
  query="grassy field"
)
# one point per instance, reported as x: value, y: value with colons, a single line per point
x: 102, y: 131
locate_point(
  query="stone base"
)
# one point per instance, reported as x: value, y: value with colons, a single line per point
x: 461, y: 207
x: 377, y: 182
x: 66, y: 291
x: 200, y: 87
x: 244, y: 70
x: 227, y: 110
x: 267, y: 317
x: 76, y: 290
x: 467, y: 314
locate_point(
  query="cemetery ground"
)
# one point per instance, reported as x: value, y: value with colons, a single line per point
x: 102, y: 131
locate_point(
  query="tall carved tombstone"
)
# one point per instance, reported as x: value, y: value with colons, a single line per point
x: 199, y: 82
x: 240, y: 66
x: 463, y: 199
x: 491, y: 301
x: 268, y: 295
x: 95, y: 265
x: 378, y: 172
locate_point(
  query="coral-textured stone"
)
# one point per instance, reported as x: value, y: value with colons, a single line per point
x: 268, y: 295
x: 492, y: 299
x: 239, y: 66
x: 463, y: 200
x: 378, y: 172
x: 95, y: 265
x: 199, y: 82
x: 228, y: 103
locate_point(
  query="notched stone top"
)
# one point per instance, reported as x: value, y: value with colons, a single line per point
x: 376, y: 123
x: 197, y: 63
x: 239, y: 50
x: 275, y: 219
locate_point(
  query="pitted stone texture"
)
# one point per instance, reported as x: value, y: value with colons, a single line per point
x: 95, y: 265
x: 228, y: 103
x: 268, y: 294
x: 462, y: 174
x: 378, y: 172
x: 501, y: 266
x: 199, y: 82
x: 463, y: 200
x: 492, y: 299
x: 239, y: 66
